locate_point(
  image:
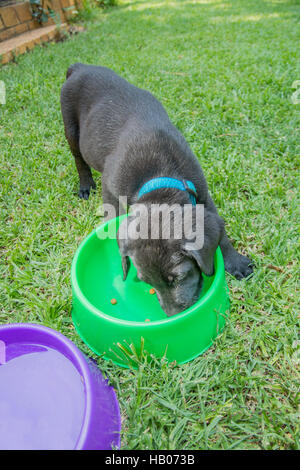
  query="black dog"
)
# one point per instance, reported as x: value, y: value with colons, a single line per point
x: 125, y: 133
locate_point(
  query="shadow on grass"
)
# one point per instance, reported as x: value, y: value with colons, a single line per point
x: 175, y: 20
x: 184, y: 14
x: 236, y: 11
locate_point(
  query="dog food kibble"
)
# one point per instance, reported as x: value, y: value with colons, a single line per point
x: 152, y: 291
x: 113, y: 301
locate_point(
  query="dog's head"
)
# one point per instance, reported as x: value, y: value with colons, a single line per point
x: 173, y: 266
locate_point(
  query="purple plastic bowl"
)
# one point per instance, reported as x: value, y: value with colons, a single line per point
x: 51, y: 395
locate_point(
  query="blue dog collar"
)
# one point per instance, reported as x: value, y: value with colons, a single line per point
x: 166, y: 182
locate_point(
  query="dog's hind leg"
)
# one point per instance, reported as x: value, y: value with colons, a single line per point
x: 71, y: 125
x: 85, y: 175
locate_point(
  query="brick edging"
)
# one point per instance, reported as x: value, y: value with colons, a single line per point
x: 17, y: 19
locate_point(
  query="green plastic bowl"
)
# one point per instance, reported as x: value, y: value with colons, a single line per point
x: 137, y: 321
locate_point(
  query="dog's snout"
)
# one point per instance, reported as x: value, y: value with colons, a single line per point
x: 173, y: 306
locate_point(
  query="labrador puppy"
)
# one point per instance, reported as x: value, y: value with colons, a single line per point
x: 125, y: 133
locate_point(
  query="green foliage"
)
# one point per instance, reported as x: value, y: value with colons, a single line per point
x: 106, y: 3
x: 42, y: 15
x: 88, y: 12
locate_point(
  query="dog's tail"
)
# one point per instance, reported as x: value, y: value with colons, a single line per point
x: 72, y: 68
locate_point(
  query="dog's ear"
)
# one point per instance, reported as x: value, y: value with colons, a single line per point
x: 204, y: 257
x: 123, y: 242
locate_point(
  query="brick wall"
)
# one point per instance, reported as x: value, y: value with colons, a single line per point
x: 17, y: 19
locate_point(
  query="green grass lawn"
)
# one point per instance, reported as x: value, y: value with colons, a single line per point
x: 224, y: 71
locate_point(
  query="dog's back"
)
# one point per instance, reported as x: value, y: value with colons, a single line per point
x: 99, y: 107
x: 89, y: 85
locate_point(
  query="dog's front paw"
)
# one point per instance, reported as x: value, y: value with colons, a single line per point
x: 238, y: 266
